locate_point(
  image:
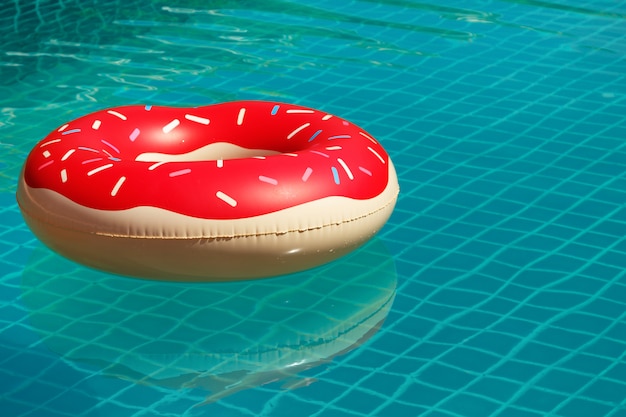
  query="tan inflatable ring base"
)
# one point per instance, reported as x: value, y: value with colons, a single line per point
x: 201, y: 258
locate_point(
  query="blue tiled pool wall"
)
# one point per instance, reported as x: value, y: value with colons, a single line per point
x: 506, y: 128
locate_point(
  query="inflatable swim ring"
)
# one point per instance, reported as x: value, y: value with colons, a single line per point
x: 228, y: 191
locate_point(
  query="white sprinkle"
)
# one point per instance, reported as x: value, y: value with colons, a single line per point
x: 170, y: 126
x: 116, y: 114
x: 377, y: 155
x: 333, y: 148
x: 242, y: 113
x: 328, y: 116
x: 292, y: 134
x: 62, y: 128
x: 117, y: 186
x: 299, y: 111
x: 268, y: 180
x: 134, y: 135
x: 197, y: 119
x: 368, y: 136
x: 96, y: 124
x: 63, y: 176
x: 46, y: 154
x: 307, y: 174
x: 102, y: 168
x: 366, y: 171
x: 220, y: 163
x: 345, y: 168
x: 258, y: 157
x: 290, y: 154
x: 68, y: 154
x: 108, y: 153
x: 180, y: 172
x: 154, y: 166
x: 226, y: 198
x: 50, y: 142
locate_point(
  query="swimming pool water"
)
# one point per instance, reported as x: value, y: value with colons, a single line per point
x: 498, y: 287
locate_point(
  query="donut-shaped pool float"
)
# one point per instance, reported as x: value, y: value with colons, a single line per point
x: 228, y: 191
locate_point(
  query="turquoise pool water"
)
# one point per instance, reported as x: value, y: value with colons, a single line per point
x: 498, y: 287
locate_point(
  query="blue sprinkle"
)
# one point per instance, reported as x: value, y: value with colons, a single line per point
x: 112, y: 158
x: 275, y: 109
x: 315, y: 135
x: 71, y: 131
x: 335, y: 175
x: 148, y: 107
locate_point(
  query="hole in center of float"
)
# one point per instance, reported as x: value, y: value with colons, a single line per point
x: 211, y: 152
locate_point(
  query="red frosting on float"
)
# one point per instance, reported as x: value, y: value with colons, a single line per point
x: 92, y: 160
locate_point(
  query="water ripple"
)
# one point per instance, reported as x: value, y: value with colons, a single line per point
x: 601, y: 12
x: 276, y: 11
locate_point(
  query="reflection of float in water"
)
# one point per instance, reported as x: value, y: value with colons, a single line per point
x: 223, y: 337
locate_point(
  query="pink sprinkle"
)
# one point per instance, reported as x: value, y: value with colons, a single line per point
x: 110, y: 145
x: 307, y: 174
x: 320, y: 153
x: 83, y: 148
x: 134, y: 135
x: 42, y: 166
x: 366, y: 171
x: 88, y: 161
x: 181, y: 172
x: 268, y: 180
